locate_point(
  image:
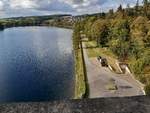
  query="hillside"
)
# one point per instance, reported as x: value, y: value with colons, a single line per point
x: 35, y: 21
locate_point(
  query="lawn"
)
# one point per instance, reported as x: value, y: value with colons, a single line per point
x: 80, y: 85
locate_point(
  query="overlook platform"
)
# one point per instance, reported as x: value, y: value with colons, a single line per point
x: 102, y: 105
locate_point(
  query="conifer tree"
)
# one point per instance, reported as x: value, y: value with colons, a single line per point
x: 146, y: 5
x: 137, y: 7
x: 120, y: 9
x: 129, y: 10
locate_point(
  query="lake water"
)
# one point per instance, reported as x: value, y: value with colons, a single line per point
x: 36, y: 64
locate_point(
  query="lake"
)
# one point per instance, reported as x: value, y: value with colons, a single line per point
x: 36, y: 64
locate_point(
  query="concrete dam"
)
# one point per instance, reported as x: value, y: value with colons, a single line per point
x: 140, y: 104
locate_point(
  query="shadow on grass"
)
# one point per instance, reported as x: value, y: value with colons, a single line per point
x: 85, y: 41
x: 90, y: 47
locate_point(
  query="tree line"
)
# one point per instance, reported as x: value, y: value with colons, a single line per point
x: 30, y: 21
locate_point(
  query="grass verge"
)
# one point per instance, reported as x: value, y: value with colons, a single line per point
x: 80, y: 72
x: 79, y: 83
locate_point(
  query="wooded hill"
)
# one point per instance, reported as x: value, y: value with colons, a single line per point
x: 30, y: 21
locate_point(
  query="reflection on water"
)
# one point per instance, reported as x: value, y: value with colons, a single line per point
x: 36, y: 64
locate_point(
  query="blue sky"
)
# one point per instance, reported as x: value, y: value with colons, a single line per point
x: 13, y: 8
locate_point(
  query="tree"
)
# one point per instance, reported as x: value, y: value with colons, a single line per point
x: 147, y: 89
x: 139, y: 29
x: 110, y: 14
x: 1, y: 26
x: 129, y: 10
x: 141, y: 63
x: 100, y: 32
x: 121, y: 13
x: 111, y: 11
x: 146, y: 40
x: 120, y: 38
x: 87, y: 27
x: 136, y: 49
x: 120, y: 48
x: 145, y: 2
x: 120, y: 9
x: 137, y: 7
x: 120, y: 30
x: 146, y: 5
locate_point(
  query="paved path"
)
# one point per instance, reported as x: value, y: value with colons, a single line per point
x: 101, y: 79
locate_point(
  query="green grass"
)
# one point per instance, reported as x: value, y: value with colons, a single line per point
x: 80, y: 85
x: 93, y: 51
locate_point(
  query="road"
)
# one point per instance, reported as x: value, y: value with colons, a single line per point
x: 101, y: 81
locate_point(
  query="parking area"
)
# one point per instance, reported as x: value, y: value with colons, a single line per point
x: 104, y: 83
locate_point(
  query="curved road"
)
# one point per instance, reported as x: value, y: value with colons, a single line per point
x: 102, y: 81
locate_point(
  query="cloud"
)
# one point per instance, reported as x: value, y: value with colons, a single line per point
x: 54, y: 5
x: 1, y: 5
x: 18, y: 4
x: 40, y: 7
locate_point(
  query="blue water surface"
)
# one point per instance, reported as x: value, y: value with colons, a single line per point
x: 36, y: 64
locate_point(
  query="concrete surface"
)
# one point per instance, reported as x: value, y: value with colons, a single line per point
x: 103, y: 105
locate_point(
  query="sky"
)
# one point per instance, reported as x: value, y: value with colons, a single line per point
x: 15, y: 8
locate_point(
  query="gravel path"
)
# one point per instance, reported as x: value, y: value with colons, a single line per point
x: 104, y: 83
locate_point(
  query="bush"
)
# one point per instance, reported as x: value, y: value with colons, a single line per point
x: 147, y: 89
x: 138, y: 65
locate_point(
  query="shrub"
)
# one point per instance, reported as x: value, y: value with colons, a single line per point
x: 147, y: 89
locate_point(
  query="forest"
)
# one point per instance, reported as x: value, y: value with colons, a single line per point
x: 125, y: 32
x: 55, y: 20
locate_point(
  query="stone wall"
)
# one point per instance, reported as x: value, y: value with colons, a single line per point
x: 103, y: 105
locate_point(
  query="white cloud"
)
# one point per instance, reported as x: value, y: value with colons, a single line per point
x: 16, y: 4
x: 1, y: 5
x: 41, y: 7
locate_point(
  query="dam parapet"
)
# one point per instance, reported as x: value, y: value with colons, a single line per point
x: 102, y: 105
